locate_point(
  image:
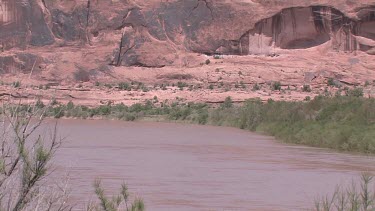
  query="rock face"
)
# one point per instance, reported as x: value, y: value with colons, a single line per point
x: 23, y: 23
x: 158, y: 33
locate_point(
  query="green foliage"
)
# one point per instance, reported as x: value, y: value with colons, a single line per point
x: 356, y: 92
x: 228, y: 103
x: 216, y: 56
x: 276, y: 85
x: 144, y: 88
x: 181, y: 85
x: 256, y: 87
x: 16, y: 84
x: 330, y: 82
x: 39, y: 104
x: 344, y: 123
x: 124, y: 86
x: 163, y: 87
x: 306, y: 88
x: 25, y: 157
x: 114, y: 203
x: 54, y: 102
x: 333, y: 82
x: 207, y: 62
x: 70, y: 105
x: 242, y: 84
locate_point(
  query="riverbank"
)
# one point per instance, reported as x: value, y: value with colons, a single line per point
x: 344, y: 123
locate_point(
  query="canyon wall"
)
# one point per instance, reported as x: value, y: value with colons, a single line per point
x: 158, y: 33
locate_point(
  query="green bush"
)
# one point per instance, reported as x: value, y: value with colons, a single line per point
x: 181, y: 85
x: 306, y: 88
x: 228, y: 102
x: 16, y: 84
x: 356, y: 92
x: 124, y: 86
x: 330, y: 82
x: 276, y: 86
x: 256, y: 87
x: 242, y: 84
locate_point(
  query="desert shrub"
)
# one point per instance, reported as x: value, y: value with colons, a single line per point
x: 144, y: 88
x: 330, y: 82
x: 104, y: 110
x: 39, y: 104
x: 242, y: 84
x: 228, y: 103
x: 276, y: 85
x: 216, y: 56
x: 356, y: 92
x: 181, y: 85
x: 16, y: 84
x: 115, y: 203
x: 70, y: 105
x: 81, y: 75
x: 306, y: 88
x: 351, y: 198
x: 124, y: 86
x: 256, y: 87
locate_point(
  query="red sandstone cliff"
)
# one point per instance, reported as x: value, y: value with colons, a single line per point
x: 58, y: 39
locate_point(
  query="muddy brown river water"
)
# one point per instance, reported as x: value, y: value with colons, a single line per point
x: 190, y: 167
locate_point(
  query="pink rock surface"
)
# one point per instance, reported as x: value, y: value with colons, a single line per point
x: 69, y: 42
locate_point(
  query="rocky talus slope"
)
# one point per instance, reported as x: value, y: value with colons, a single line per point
x: 204, y: 43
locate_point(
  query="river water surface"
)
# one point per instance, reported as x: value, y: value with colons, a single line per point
x: 189, y: 167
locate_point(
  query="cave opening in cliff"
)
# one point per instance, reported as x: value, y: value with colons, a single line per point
x: 305, y: 43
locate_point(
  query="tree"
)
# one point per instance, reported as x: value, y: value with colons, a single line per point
x: 25, y: 158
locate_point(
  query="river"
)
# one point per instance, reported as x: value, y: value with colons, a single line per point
x: 192, y: 167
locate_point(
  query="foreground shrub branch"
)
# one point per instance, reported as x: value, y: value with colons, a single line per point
x: 349, y: 199
x: 25, y: 158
